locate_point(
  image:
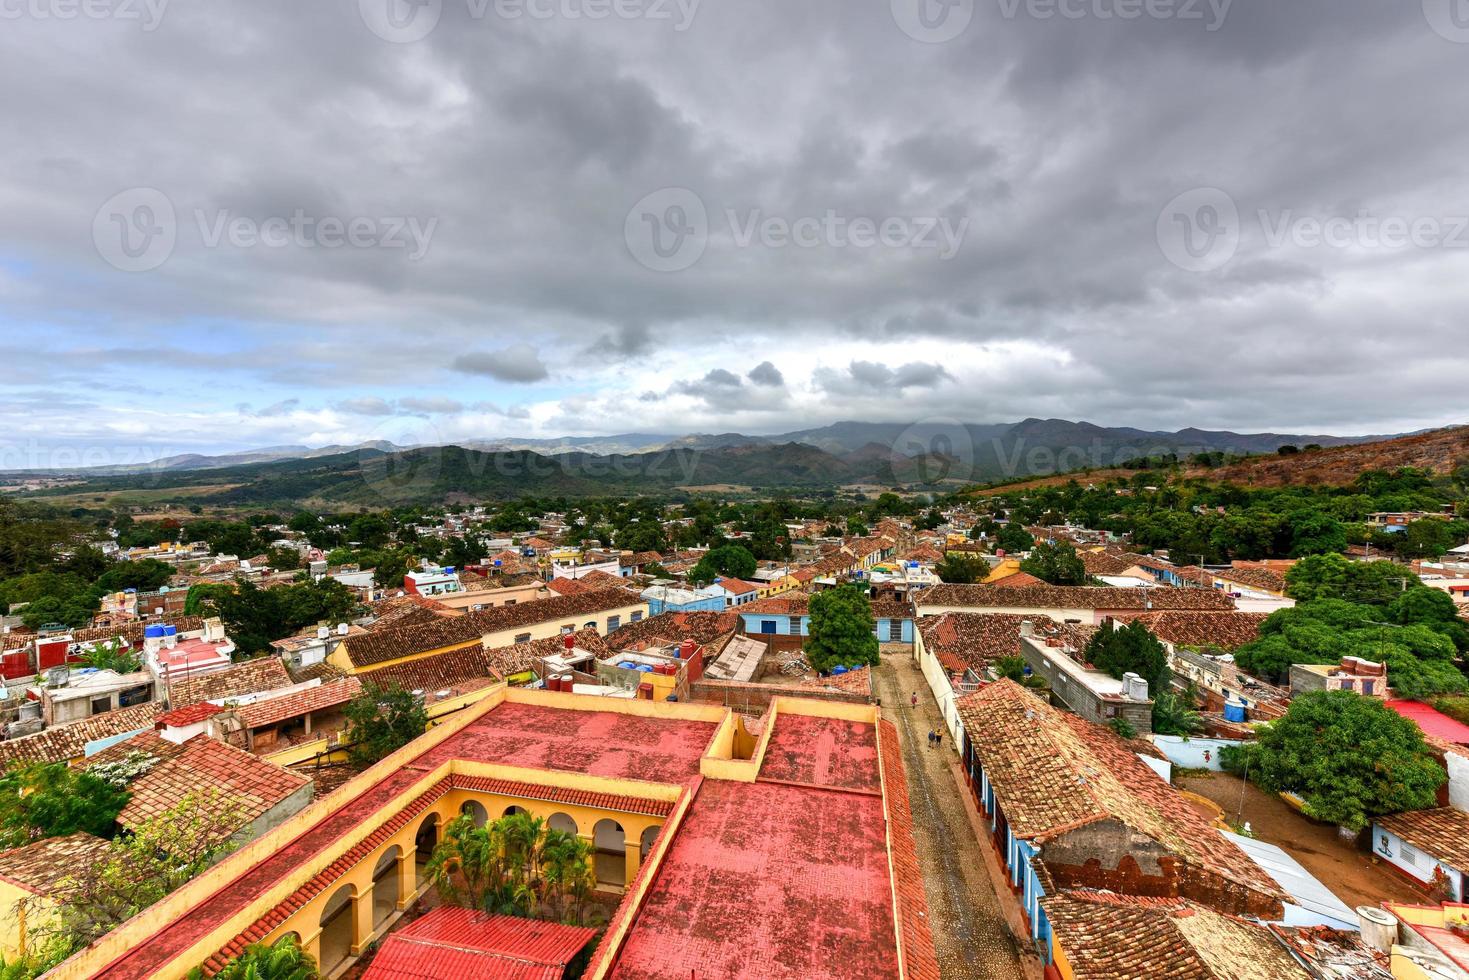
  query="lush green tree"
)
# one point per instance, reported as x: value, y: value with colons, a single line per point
x: 513, y: 866
x: 728, y: 561
x: 1014, y: 538
x: 389, y: 569
x: 856, y: 528
x: 145, y: 575
x: 1429, y: 537
x: 1130, y: 649
x: 1375, y: 583
x: 843, y: 631
x: 959, y: 569
x: 1057, y: 564
x: 1316, y: 533
x: 1350, y: 758
x: 156, y: 858
x: 1014, y: 668
x: 53, y: 800
x: 380, y: 721
x: 285, y: 960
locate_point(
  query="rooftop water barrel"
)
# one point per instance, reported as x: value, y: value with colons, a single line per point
x: 1234, y: 711
x: 153, y: 631
x: 839, y: 669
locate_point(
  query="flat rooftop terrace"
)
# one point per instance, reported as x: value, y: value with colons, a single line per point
x: 600, y: 743
x: 769, y: 880
x: 828, y: 752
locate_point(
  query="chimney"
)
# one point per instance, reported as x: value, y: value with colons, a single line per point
x: 1379, y: 928
x: 569, y: 641
x: 1027, y: 628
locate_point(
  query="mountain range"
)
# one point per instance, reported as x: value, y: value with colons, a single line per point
x: 921, y: 455
x: 991, y: 448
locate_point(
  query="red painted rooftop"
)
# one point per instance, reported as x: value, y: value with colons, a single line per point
x: 450, y: 943
x: 822, y: 752
x: 595, y: 742
x: 1432, y: 721
x: 772, y: 881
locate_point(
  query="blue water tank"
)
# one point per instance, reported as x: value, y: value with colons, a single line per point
x: 1234, y: 711
x: 628, y: 665
x: 152, y: 631
x: 645, y: 668
x: 839, y: 669
x: 170, y: 631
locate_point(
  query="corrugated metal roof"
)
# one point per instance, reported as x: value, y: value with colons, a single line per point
x: 453, y: 942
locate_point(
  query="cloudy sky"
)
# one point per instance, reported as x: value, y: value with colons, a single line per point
x: 237, y: 223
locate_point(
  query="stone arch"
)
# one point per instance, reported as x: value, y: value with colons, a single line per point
x: 512, y: 810
x: 650, y: 834
x: 338, y: 929
x: 424, y: 841
x: 563, y: 822
x: 385, y: 885
x: 610, y: 842
x: 476, y: 811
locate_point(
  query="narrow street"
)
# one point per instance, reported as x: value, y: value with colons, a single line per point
x: 969, y: 930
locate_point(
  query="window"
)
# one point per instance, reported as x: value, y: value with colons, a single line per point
x: 1366, y: 687
x: 895, y: 630
x: 613, y: 622
x: 637, y: 615
x: 523, y: 638
x: 767, y: 626
x: 509, y: 602
x: 1409, y: 854
x: 795, y: 624
x: 101, y: 704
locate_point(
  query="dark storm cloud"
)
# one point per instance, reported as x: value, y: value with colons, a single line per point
x: 517, y: 363
x: 1059, y: 140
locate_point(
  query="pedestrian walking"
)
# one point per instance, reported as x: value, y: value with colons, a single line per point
x: 930, y: 738
x: 914, y: 701
x: 938, y: 740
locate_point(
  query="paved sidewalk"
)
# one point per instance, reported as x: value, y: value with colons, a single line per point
x: 970, y: 928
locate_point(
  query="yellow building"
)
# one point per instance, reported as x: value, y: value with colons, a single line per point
x: 31, y: 880
x: 1427, y: 942
x: 694, y: 822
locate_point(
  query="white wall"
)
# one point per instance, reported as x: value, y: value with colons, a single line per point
x: 938, y: 683
x: 1458, y: 767
x: 1188, y: 753
x: 1390, y: 848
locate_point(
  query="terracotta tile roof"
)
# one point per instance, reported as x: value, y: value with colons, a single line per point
x: 974, y: 640
x: 149, y: 743
x: 1120, y: 937
x: 62, y: 743
x: 919, y: 959
x: 1053, y: 772
x: 323, y: 672
x: 675, y: 627
x: 1224, y: 630
x: 553, y: 609
x: 1074, y: 597
x: 1258, y: 578
x: 1104, y: 563
x: 405, y: 640
x: 192, y: 715
x: 1017, y: 580
x: 568, y: 586
x: 736, y: 586
x: 457, y: 942
x: 250, y: 677
x: 798, y: 604
x: 242, y: 780
x: 1442, y: 832
x: 332, y: 694
x: 40, y: 868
